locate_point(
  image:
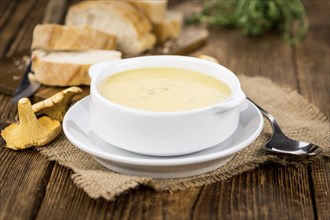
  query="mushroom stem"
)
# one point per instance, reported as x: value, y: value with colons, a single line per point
x: 56, y: 106
x: 25, y: 113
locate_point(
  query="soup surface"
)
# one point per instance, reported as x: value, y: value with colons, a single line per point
x: 162, y: 89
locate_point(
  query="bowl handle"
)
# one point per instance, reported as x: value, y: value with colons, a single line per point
x: 236, y: 101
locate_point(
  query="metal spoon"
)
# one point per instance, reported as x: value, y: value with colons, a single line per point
x: 282, y: 144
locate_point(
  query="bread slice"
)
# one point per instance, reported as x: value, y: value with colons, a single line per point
x: 131, y: 27
x: 67, y: 68
x: 154, y: 9
x: 170, y: 28
x: 60, y: 37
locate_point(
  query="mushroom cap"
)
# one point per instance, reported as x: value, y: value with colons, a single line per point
x: 19, y: 138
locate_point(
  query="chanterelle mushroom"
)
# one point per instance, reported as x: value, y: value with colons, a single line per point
x: 56, y: 106
x: 30, y: 131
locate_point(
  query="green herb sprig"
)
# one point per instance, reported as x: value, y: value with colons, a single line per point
x: 255, y: 17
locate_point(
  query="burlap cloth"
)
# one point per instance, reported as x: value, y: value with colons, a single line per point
x: 298, y: 118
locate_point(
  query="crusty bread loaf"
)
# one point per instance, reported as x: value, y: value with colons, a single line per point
x: 169, y: 28
x: 69, y: 68
x: 154, y: 9
x: 131, y: 27
x: 60, y: 37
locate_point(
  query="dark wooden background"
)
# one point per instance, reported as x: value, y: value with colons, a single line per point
x: 31, y: 187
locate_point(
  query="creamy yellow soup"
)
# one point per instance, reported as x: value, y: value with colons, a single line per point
x: 161, y: 89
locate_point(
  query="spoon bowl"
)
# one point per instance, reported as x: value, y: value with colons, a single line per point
x: 280, y: 143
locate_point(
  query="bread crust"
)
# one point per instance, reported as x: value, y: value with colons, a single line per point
x: 54, y: 73
x: 65, y: 74
x: 154, y: 9
x: 130, y: 25
x: 59, y: 37
x: 137, y: 20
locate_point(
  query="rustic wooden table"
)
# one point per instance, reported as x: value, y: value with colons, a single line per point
x: 31, y: 187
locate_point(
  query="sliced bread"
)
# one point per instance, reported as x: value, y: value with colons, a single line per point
x: 154, y: 9
x: 60, y: 37
x: 169, y: 28
x: 131, y: 27
x: 69, y: 68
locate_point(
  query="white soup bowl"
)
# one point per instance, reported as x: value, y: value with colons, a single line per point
x: 164, y: 133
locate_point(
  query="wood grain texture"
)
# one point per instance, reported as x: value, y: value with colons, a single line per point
x: 320, y: 172
x: 69, y: 202
x: 8, y: 111
x: 265, y: 56
x: 23, y: 38
x: 313, y: 57
x: 13, y: 26
x: 24, y: 176
x: 11, y: 72
x: 264, y: 193
x: 6, y: 8
x: 31, y: 187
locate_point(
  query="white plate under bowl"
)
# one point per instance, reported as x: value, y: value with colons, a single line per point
x: 76, y: 126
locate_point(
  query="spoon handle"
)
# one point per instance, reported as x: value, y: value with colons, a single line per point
x: 270, y: 118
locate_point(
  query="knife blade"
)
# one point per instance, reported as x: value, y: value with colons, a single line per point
x: 26, y: 87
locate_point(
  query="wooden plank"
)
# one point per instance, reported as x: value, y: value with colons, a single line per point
x: 265, y: 56
x: 52, y: 11
x: 11, y: 70
x: 253, y: 195
x: 264, y: 193
x: 8, y: 111
x: 23, y: 39
x: 313, y: 57
x: 14, y: 25
x: 24, y: 176
x: 4, y: 6
x: 69, y: 202
x: 13, y: 67
x: 313, y: 67
x: 320, y: 172
x: 6, y: 10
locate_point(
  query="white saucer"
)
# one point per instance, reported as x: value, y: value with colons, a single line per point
x: 77, y: 129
